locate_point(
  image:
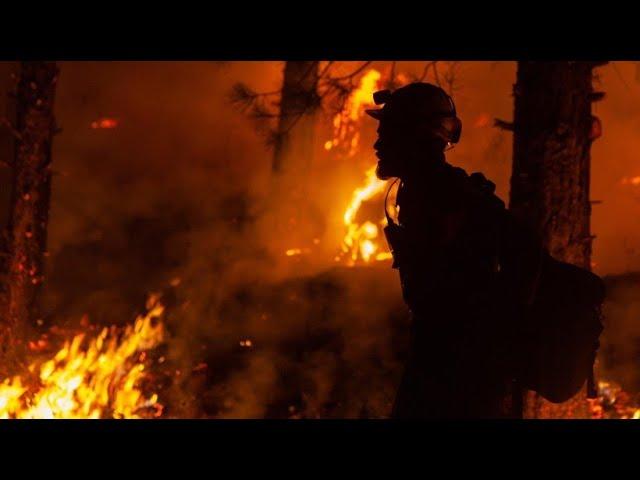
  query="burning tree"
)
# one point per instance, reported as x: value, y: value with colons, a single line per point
x: 553, y: 130
x: 362, y: 241
x: 26, y: 234
x: 286, y: 118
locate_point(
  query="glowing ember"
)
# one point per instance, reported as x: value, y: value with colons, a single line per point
x: 362, y: 241
x: 104, y: 123
x: 294, y: 252
x: 246, y: 343
x: 482, y: 120
x: 635, y: 181
x: 384, y: 256
x: 346, y: 123
x: 100, y: 380
x: 38, y: 345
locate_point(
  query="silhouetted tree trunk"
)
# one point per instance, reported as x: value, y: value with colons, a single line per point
x: 553, y: 130
x: 6, y: 154
x: 298, y: 102
x: 26, y: 233
x: 294, y: 149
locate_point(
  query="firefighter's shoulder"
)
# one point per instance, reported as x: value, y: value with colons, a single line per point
x: 481, y: 189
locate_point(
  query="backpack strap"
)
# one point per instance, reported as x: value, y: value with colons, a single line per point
x: 386, y: 198
x: 394, y: 232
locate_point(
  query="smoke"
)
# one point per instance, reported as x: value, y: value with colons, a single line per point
x: 172, y: 200
x: 620, y: 342
x: 327, y: 345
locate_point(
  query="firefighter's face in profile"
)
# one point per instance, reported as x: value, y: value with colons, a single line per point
x: 391, y: 147
x: 400, y: 146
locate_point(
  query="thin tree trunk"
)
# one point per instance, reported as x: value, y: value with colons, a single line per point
x: 553, y: 130
x: 26, y: 234
x: 6, y: 154
x: 293, y: 152
x: 299, y: 100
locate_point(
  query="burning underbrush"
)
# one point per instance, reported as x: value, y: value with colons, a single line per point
x: 310, y: 347
x: 93, y: 375
x: 329, y: 345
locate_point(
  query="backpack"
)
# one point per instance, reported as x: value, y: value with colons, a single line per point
x: 558, y: 335
x: 561, y: 330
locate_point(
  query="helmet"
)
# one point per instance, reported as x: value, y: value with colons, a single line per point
x: 420, y: 103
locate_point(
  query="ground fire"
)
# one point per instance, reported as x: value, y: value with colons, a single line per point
x: 90, y: 377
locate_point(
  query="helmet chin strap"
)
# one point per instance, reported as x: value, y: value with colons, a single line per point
x: 390, y: 220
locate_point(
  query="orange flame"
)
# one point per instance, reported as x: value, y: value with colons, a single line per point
x: 100, y: 380
x: 346, y: 123
x: 362, y: 242
x: 104, y: 123
x: 635, y: 181
x: 292, y: 252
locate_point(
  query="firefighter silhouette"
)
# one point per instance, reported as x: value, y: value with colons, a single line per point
x: 478, y: 284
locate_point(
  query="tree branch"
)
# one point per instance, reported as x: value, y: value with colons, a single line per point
x: 503, y: 125
x: 354, y: 73
x: 435, y: 74
x: 425, y: 72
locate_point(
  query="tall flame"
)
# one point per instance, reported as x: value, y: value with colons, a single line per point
x: 362, y: 242
x: 346, y: 123
x: 97, y: 381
